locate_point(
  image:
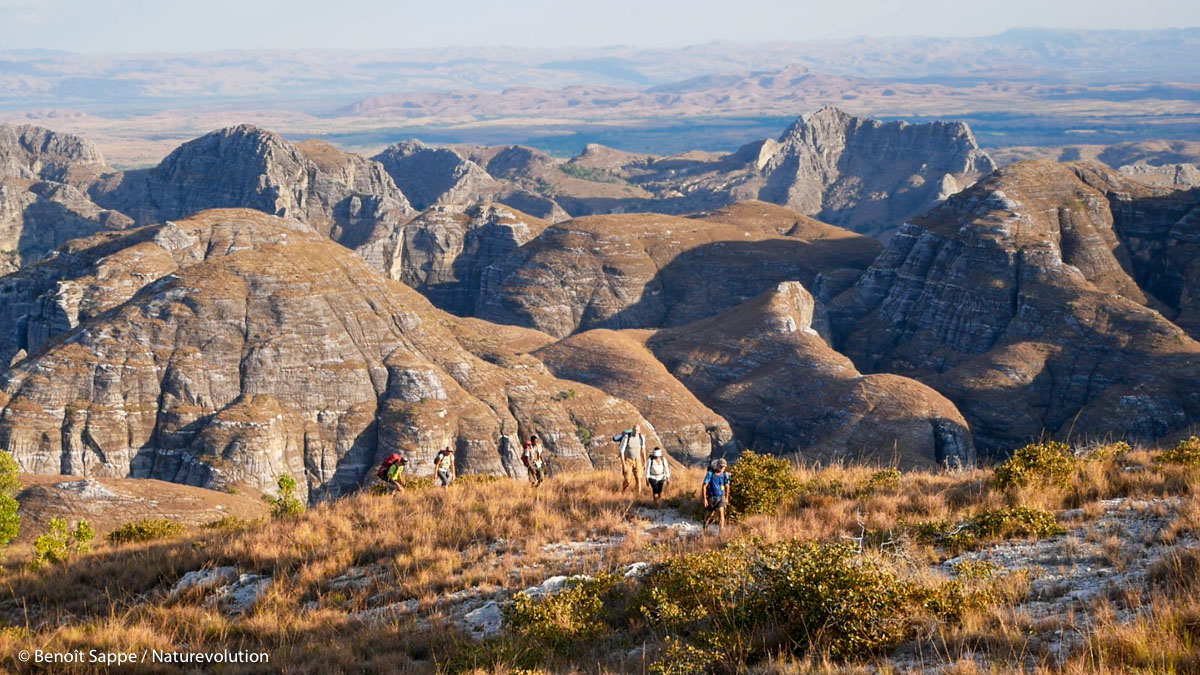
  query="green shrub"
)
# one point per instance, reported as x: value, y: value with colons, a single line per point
x: 1186, y: 452
x: 559, y: 619
x: 59, y: 543
x: 1048, y: 463
x: 229, y: 523
x: 286, y: 504
x: 761, y: 485
x: 886, y: 480
x: 585, y: 435
x: 10, y: 485
x: 687, y: 588
x: 793, y: 596
x: 690, y: 657
x: 1004, y: 523
x: 839, y: 601
x: 146, y: 529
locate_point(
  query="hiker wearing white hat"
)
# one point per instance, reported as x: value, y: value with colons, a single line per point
x: 658, y: 472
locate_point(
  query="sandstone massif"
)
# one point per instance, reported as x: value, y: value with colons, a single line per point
x: 649, y: 270
x: 257, y: 347
x: 338, y: 194
x: 332, y: 308
x: 1017, y: 300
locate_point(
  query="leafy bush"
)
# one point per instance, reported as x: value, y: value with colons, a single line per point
x: 1005, y: 522
x: 146, y: 529
x: 1186, y: 453
x: 59, y: 543
x: 1049, y: 463
x: 885, y: 480
x: 840, y: 601
x: 286, y: 504
x: 764, y: 484
x: 559, y: 619
x: 229, y: 523
x: 793, y: 596
x: 690, y: 657
x: 10, y: 485
x: 585, y: 435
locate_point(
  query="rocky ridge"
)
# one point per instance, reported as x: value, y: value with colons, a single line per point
x: 338, y: 194
x: 1014, y: 299
x: 648, y: 271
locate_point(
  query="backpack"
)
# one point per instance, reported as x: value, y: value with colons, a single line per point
x: 387, y: 464
x: 621, y: 436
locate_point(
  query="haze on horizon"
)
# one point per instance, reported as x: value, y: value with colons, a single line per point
x: 92, y: 26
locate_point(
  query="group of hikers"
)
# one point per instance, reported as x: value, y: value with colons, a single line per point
x: 638, y: 467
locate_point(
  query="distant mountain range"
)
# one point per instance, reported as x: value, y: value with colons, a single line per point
x: 131, y: 82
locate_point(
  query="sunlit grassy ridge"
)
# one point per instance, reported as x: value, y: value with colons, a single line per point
x: 863, y: 527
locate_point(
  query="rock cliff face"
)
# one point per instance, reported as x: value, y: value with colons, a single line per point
x: 1013, y: 299
x: 647, y: 271
x: 431, y: 176
x: 445, y: 251
x: 443, y: 176
x: 763, y: 367
x: 864, y: 174
x: 619, y: 364
x: 34, y: 153
x: 337, y: 194
x: 1160, y: 228
x: 36, y: 217
x: 251, y: 347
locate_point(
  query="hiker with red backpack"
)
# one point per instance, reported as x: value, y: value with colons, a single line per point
x: 392, y: 470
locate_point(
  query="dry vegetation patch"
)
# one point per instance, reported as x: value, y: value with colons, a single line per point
x: 840, y: 572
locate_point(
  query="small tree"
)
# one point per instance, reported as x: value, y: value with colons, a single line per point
x: 59, y: 543
x: 10, y: 485
x: 286, y: 504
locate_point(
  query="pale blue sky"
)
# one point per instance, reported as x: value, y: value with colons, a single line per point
x: 178, y: 25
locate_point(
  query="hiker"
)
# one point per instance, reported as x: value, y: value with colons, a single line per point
x: 392, y: 471
x: 443, y: 463
x: 633, y: 457
x: 533, y: 457
x: 658, y: 472
x: 716, y: 491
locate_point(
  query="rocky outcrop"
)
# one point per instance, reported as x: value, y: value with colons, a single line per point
x: 1160, y: 228
x: 1177, y: 176
x: 765, y: 368
x: 43, y: 175
x: 861, y: 174
x: 444, y: 252
x: 864, y: 174
x: 647, y: 271
x: 1014, y: 300
x: 445, y: 177
x: 254, y: 347
x: 431, y: 176
x: 37, y: 154
x: 619, y: 364
x: 340, y: 195
x: 36, y: 217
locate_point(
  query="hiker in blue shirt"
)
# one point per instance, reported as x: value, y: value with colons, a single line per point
x: 716, y: 490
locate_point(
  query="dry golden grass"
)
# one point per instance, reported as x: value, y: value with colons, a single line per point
x: 493, y: 535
